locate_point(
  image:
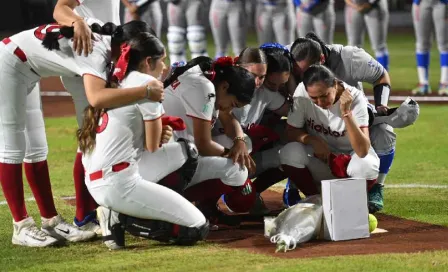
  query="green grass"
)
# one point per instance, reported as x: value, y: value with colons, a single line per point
x: 421, y: 157
x: 401, y: 46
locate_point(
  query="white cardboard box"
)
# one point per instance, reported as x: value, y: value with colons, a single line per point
x: 345, y: 209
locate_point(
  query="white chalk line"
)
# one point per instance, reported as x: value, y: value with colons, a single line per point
x: 280, y: 185
x: 395, y: 98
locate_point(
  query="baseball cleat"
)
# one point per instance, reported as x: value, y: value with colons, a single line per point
x: 443, y: 89
x: 61, y: 230
x: 422, y: 89
x: 259, y: 207
x: 112, y: 231
x: 376, y: 198
x: 90, y: 223
x: 26, y: 233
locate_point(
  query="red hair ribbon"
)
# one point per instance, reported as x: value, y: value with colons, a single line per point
x: 221, y: 61
x: 123, y: 62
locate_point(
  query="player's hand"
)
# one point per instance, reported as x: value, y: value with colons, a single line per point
x: 381, y: 110
x: 133, y: 8
x: 82, y: 38
x: 364, y: 8
x: 156, y: 93
x: 167, y: 133
x: 239, y: 154
x: 346, y: 100
x: 321, y: 149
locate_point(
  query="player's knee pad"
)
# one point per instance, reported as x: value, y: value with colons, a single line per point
x: 294, y: 154
x: 197, y: 41
x: 188, y: 236
x: 188, y: 169
x: 163, y: 231
x: 176, y: 43
x: 147, y: 228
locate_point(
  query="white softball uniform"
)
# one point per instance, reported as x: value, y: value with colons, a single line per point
x: 105, y: 11
x: 192, y: 95
x: 112, y: 170
x: 328, y: 125
x: 249, y: 116
x: 24, y: 61
x: 252, y: 113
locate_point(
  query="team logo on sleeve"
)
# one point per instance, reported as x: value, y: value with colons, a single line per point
x: 319, y: 128
x: 175, y: 84
x: 374, y: 64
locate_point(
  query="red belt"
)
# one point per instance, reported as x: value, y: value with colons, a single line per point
x: 115, y: 168
x: 18, y: 52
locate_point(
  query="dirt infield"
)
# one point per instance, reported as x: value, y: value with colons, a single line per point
x: 403, y: 236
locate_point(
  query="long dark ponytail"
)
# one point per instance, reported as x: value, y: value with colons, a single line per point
x: 119, y: 34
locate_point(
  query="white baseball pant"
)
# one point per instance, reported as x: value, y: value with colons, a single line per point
x: 300, y: 156
x: 128, y: 193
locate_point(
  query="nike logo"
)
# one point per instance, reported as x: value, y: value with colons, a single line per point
x: 42, y: 239
x: 64, y: 231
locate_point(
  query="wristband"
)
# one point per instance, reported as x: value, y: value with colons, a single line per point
x: 381, y: 94
x: 239, y: 138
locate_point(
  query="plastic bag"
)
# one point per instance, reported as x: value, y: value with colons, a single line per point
x: 297, y: 224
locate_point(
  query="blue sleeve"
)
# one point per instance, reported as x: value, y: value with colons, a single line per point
x: 296, y: 3
x: 312, y: 4
x: 417, y: 2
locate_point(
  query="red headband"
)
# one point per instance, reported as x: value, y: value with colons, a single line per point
x: 123, y: 62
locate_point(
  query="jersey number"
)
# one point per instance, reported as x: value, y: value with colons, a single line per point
x: 104, y: 120
x: 42, y: 31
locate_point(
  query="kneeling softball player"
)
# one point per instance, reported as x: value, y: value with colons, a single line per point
x: 200, y: 92
x: 24, y: 61
x: 120, y: 142
x: 328, y: 133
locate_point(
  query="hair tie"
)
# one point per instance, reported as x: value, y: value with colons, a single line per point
x: 224, y: 61
x: 274, y: 45
x: 178, y: 64
x: 123, y: 62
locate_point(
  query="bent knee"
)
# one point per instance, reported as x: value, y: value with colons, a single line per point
x: 36, y: 154
x: 234, y: 174
x: 294, y: 154
x: 366, y: 168
x: 383, y: 138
